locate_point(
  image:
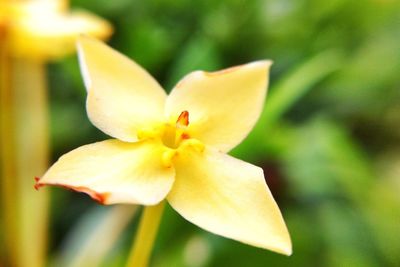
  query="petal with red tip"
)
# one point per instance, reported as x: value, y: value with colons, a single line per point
x: 114, y: 172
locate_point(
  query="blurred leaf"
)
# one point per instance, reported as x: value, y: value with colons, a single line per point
x: 324, y: 161
x: 94, y: 236
x: 198, y: 54
x: 370, y: 74
x: 324, y: 158
x: 346, y: 236
x: 284, y: 95
x: 147, y: 43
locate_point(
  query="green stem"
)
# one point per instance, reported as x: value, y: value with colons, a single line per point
x: 144, y: 241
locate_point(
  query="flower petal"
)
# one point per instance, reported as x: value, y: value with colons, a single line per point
x: 122, y: 96
x: 114, y: 172
x: 228, y: 197
x: 223, y: 105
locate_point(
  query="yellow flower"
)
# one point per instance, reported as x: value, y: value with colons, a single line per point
x: 43, y: 29
x: 174, y: 147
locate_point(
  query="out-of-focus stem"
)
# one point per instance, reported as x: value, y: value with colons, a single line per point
x: 24, y: 155
x: 8, y: 159
x: 31, y: 123
x: 147, y: 232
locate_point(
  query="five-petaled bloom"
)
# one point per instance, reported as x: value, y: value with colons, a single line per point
x: 174, y: 147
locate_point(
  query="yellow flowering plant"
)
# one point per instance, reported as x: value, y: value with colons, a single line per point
x: 173, y: 147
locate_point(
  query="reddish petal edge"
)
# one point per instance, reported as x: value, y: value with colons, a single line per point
x: 101, y: 198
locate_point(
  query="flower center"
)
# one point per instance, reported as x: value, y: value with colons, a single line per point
x: 175, y: 138
x: 174, y: 134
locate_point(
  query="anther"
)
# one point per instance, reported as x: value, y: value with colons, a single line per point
x: 183, y: 119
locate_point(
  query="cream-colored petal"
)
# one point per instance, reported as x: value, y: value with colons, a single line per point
x: 122, y: 96
x: 223, y: 106
x: 46, y: 33
x: 228, y: 197
x: 114, y: 172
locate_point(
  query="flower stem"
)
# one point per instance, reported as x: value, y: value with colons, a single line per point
x: 24, y: 155
x: 7, y: 159
x: 144, y: 241
x: 29, y: 86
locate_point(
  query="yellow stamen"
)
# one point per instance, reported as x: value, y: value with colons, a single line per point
x: 167, y: 157
x: 147, y: 133
x: 194, y: 143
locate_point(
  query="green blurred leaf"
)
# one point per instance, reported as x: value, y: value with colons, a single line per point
x: 284, y: 95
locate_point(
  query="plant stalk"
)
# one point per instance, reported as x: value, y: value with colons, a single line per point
x: 32, y: 153
x: 147, y: 232
x: 7, y: 159
x: 24, y: 155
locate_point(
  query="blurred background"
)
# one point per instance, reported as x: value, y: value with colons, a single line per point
x: 328, y: 139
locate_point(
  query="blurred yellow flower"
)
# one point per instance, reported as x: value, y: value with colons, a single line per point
x: 174, y: 147
x: 44, y: 29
